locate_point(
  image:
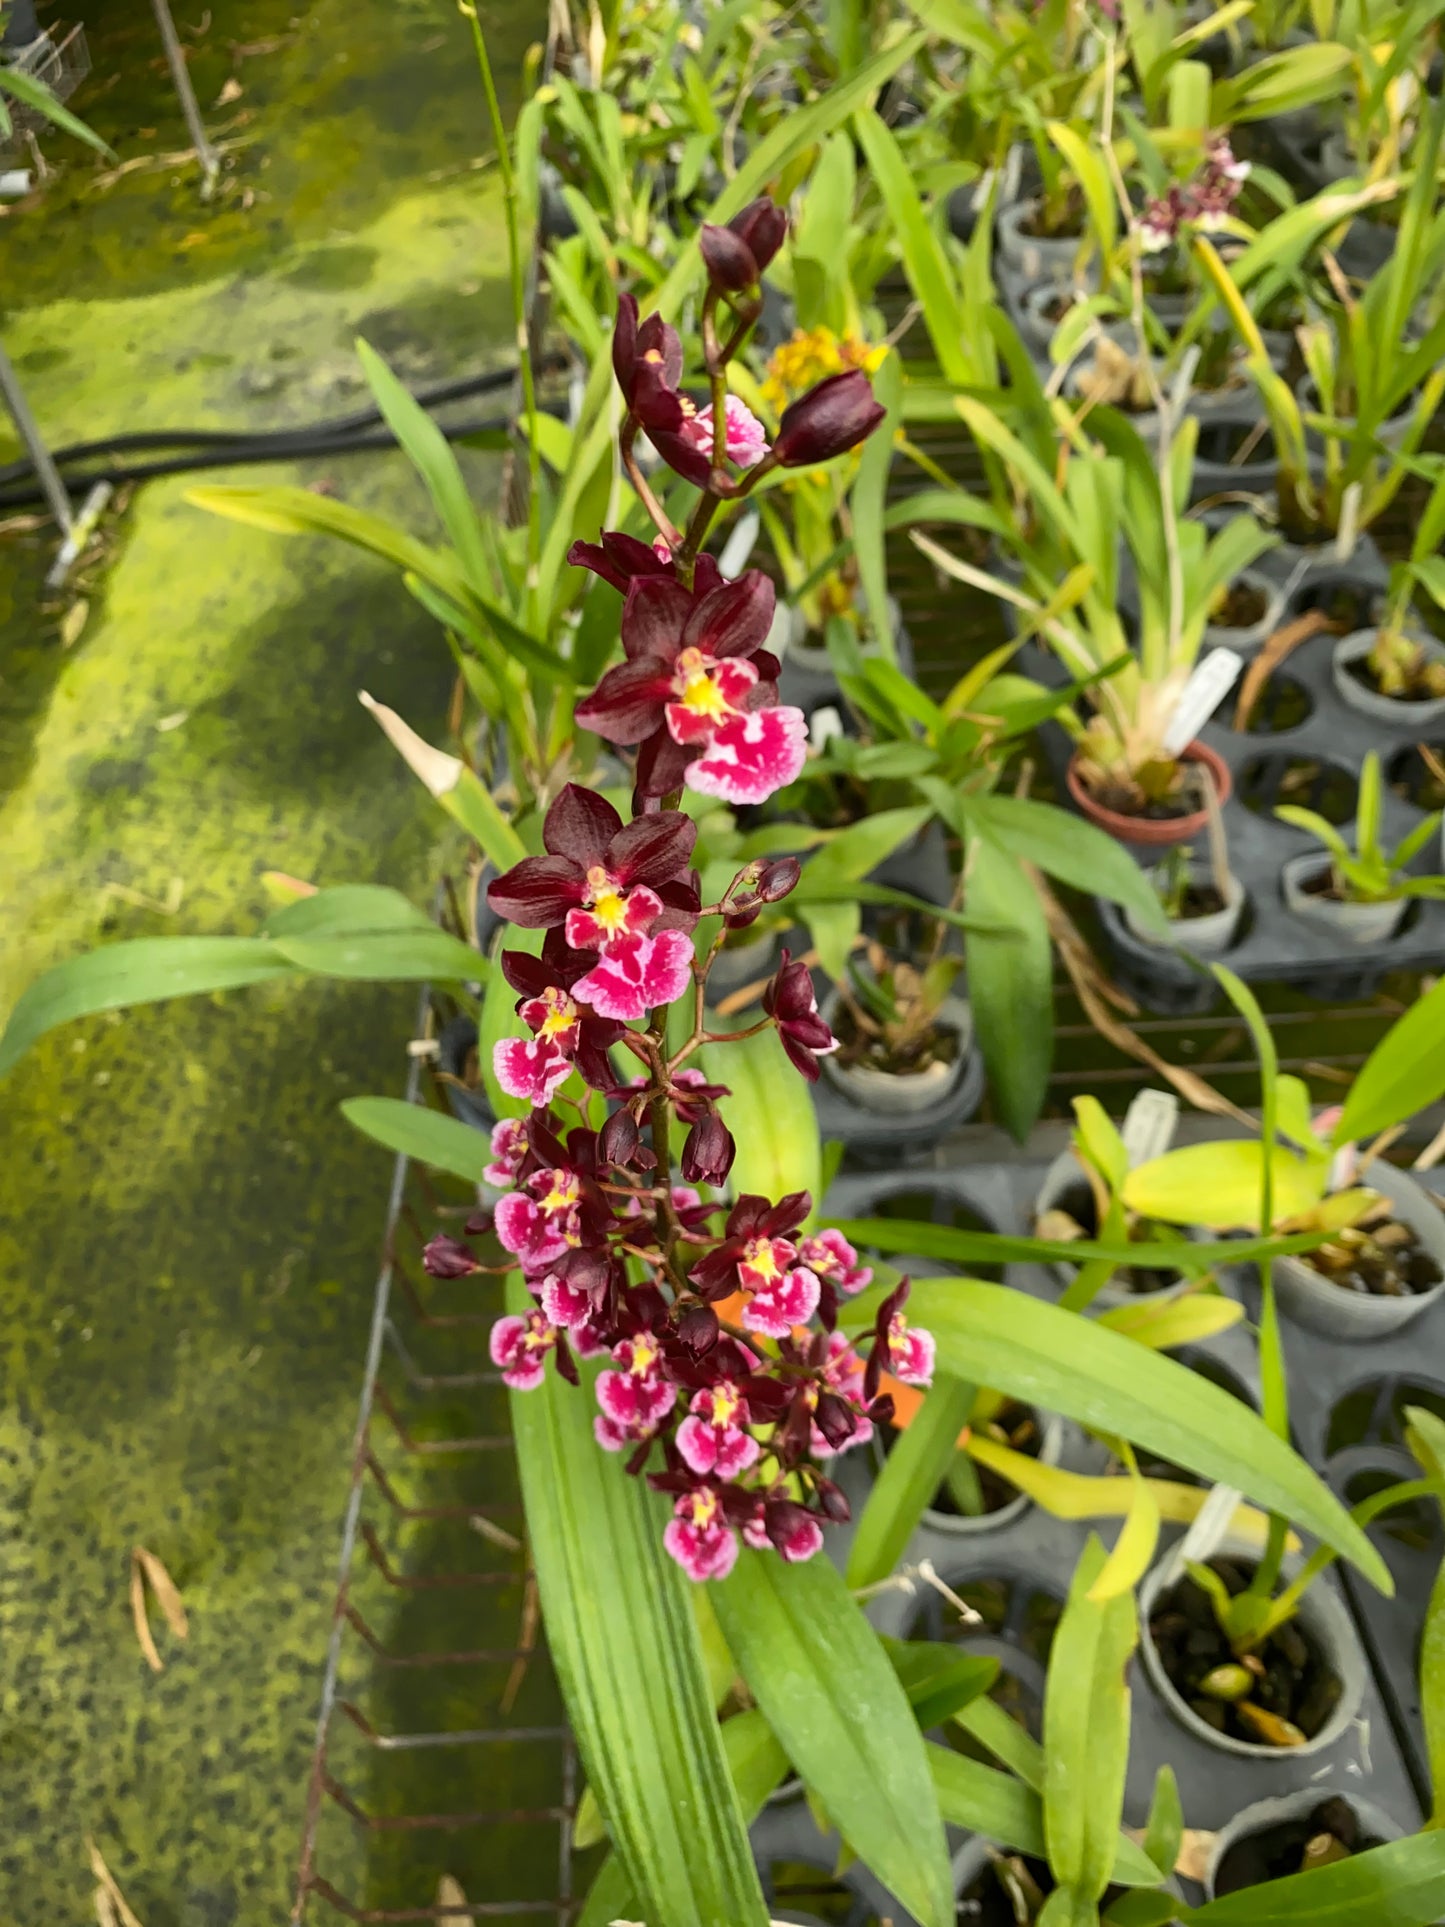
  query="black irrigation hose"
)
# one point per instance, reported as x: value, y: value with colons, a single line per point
x: 25, y: 491
x: 212, y: 447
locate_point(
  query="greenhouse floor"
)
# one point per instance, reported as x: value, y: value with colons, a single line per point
x: 187, y: 1228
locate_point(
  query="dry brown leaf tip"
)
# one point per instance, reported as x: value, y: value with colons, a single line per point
x: 147, y: 1570
x: 110, y: 1903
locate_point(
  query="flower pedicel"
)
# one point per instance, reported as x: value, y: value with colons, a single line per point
x: 726, y: 1381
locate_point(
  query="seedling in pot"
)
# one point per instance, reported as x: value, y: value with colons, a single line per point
x: 1370, y: 873
x: 889, y: 1020
x: 1094, y: 1209
x: 1401, y: 663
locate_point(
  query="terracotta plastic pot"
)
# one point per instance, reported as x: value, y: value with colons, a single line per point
x: 1139, y: 829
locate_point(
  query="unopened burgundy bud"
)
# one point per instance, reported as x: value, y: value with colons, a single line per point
x: 447, y: 1258
x: 834, y: 1419
x: 745, y: 914
x: 478, y: 1223
x: 729, y: 260
x: 617, y: 1141
x: 707, y: 1154
x: 697, y: 1329
x: 833, y: 1501
x: 829, y: 420
x: 779, y: 879
x: 761, y: 227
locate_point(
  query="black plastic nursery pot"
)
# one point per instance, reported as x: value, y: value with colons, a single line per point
x: 1015, y: 1567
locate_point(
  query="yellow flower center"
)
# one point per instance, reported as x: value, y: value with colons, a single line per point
x: 759, y: 1257
x: 607, y: 903
x: 704, y: 1508
x: 725, y: 1402
x: 561, y: 1012
x: 700, y: 693
x: 644, y: 1357
x: 563, y: 1193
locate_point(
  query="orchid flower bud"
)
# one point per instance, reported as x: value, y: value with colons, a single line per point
x: 829, y: 420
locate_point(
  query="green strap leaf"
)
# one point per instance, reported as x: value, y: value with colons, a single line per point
x: 347, y: 909
x: 1086, y: 1729
x: 1066, y: 847
x: 912, y: 1472
x: 386, y: 956
x: 31, y: 92
x: 623, y: 1639
x: 1401, y: 1884
x: 146, y: 970
x: 1010, y: 984
x: 940, y: 1679
x: 1059, y: 1362
x: 813, y: 1664
x: 1403, y: 1074
x: 996, y: 1247
x: 431, y: 456
x: 1011, y: 1815
x: 429, y: 1136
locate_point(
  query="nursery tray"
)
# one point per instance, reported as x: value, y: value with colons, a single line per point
x: 1331, y: 740
x: 1380, y: 1756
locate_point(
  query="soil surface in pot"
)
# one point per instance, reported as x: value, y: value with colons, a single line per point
x: 1294, y: 1689
x: 1281, y: 704
x: 1014, y: 1425
x: 936, y: 1046
x: 1382, y: 1260
x: 1424, y: 680
x: 1077, y: 1209
x: 1199, y: 900
x: 1011, y: 1890
x: 1330, y: 1832
x: 1324, y: 884
x: 1417, y: 774
x: 1123, y: 798
x: 1243, y: 605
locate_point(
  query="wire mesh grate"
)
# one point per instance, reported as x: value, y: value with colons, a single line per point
x: 443, y: 1782
x: 58, y: 60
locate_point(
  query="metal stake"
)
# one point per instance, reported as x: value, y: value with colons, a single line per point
x: 200, y: 140
x: 29, y: 428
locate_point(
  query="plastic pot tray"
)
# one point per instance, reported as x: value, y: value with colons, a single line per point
x: 1314, y: 760
x: 1028, y: 1560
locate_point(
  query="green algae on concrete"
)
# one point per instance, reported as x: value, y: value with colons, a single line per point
x: 187, y: 1229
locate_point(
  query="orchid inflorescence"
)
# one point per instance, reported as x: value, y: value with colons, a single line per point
x: 1207, y: 200
x: 726, y: 1374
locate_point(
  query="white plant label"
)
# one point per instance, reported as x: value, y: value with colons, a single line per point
x: 1212, y: 678
x: 1148, y: 1126
x: 1206, y: 1534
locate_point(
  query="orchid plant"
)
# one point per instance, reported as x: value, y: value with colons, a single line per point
x: 719, y: 1378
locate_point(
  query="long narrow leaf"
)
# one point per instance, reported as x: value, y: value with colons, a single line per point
x: 623, y: 1639
x: 815, y: 1667
x: 1401, y: 1884
x: 146, y: 970
x: 912, y: 1473
x: 1062, y: 1363
x: 431, y: 1138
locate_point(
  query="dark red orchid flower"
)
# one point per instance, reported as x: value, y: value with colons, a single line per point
x: 601, y: 878
x: 647, y: 361
x: 792, y: 1003
x: 543, y: 985
x: 621, y: 559
x: 695, y: 663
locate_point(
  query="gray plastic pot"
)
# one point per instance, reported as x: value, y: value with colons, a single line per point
x: 960, y: 1526
x: 1063, y: 1174
x: 1321, y: 1615
x: 1208, y: 936
x: 1036, y: 257
x: 1375, y: 1823
x: 1399, y: 711
x: 904, y: 1094
x: 1309, y: 1299
x: 1249, y: 642
x: 1360, y: 923
x: 973, y: 1858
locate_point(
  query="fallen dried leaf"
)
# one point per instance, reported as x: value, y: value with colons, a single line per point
x: 146, y: 1568
x: 1281, y: 644
x: 114, y: 1898
x: 450, y: 1897
x: 232, y: 90
x: 73, y: 622
x: 174, y: 721
x: 194, y: 240
x: 1195, y: 1846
